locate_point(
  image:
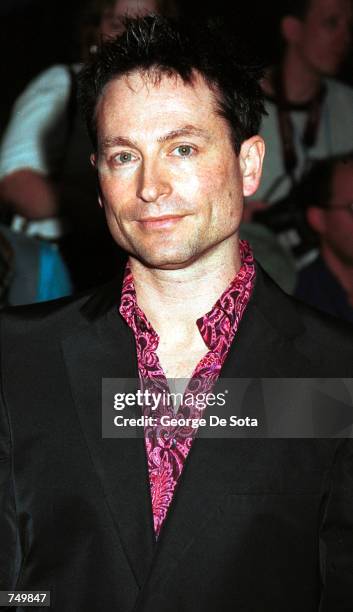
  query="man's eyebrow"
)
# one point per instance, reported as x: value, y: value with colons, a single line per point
x: 186, y: 130
x: 116, y: 141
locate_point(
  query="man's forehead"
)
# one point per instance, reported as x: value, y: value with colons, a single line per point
x: 152, y: 87
x: 138, y: 107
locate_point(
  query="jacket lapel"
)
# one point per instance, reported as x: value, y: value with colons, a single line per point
x: 264, y: 345
x: 102, y: 346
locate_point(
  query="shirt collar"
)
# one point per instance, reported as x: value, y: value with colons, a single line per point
x: 219, y: 323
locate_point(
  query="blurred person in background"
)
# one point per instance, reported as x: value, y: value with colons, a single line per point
x: 310, y: 114
x: 327, y: 191
x: 45, y: 174
x: 35, y: 271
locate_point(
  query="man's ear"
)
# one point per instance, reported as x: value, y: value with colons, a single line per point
x: 316, y: 219
x: 291, y: 29
x: 93, y: 160
x: 251, y: 158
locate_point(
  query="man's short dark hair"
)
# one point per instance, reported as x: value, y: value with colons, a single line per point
x: 158, y: 46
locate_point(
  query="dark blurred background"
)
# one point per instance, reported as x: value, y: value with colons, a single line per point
x: 35, y: 34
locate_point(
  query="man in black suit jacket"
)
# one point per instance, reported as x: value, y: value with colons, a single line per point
x: 252, y: 524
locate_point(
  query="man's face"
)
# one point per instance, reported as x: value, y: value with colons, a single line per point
x: 325, y: 35
x: 111, y: 24
x: 337, y: 224
x: 171, y: 183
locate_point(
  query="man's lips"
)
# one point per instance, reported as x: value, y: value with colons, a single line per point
x: 163, y: 222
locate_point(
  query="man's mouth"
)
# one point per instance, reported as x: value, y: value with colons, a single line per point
x: 161, y: 222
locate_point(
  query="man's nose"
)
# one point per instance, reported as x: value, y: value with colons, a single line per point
x: 153, y: 182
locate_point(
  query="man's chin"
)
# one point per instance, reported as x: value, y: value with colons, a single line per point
x: 165, y: 261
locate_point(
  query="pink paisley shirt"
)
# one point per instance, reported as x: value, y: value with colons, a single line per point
x: 168, y: 448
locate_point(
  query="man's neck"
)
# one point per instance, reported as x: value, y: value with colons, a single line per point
x: 343, y: 271
x: 301, y: 83
x: 173, y: 300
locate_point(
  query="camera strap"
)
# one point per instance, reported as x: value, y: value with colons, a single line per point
x: 313, y: 110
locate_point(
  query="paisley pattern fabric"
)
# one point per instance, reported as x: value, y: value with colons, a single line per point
x: 168, y: 447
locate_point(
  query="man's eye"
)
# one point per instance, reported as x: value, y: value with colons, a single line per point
x: 184, y: 150
x: 123, y: 158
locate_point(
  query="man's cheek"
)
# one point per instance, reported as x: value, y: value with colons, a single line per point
x: 189, y: 186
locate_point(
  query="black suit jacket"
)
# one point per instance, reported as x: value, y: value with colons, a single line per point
x: 255, y: 525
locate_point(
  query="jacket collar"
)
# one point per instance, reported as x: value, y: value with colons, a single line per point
x: 268, y: 307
